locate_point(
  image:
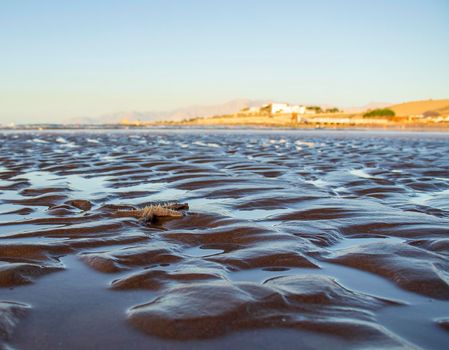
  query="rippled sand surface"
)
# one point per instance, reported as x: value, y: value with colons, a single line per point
x: 293, y: 240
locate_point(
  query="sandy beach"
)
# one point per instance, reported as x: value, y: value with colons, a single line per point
x: 290, y: 240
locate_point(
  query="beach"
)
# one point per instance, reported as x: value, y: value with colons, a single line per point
x: 286, y: 239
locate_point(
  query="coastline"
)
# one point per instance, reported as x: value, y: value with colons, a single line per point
x: 185, y: 126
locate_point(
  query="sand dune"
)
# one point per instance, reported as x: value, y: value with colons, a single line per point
x: 420, y: 107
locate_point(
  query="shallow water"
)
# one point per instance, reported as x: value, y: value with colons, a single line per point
x: 293, y: 239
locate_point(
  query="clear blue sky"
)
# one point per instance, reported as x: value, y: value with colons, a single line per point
x: 62, y: 59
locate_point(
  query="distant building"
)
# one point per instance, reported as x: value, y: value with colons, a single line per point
x: 302, y: 110
x: 270, y: 109
x: 254, y: 110
x: 280, y: 108
x: 284, y: 108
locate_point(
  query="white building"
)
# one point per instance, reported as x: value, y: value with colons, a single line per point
x: 280, y: 108
x: 285, y: 108
x: 254, y: 109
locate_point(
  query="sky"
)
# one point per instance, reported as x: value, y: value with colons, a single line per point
x: 66, y: 59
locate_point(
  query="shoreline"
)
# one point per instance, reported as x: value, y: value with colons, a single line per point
x: 399, y: 128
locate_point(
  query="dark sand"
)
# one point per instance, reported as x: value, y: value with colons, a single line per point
x: 293, y: 240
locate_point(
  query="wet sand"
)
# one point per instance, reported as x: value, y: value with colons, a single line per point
x: 292, y: 240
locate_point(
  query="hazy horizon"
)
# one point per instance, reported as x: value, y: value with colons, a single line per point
x: 63, y: 60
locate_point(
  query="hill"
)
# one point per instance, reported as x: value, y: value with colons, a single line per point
x: 420, y: 107
x: 172, y: 115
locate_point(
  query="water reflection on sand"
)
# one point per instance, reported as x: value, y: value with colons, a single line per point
x: 318, y: 238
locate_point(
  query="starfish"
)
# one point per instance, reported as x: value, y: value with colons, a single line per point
x: 150, y: 212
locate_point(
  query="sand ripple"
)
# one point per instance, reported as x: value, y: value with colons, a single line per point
x: 331, y: 240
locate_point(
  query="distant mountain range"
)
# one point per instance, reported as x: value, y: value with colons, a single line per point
x: 195, y: 111
x: 175, y: 114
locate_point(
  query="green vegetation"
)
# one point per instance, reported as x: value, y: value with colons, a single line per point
x: 381, y: 112
x: 317, y: 109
